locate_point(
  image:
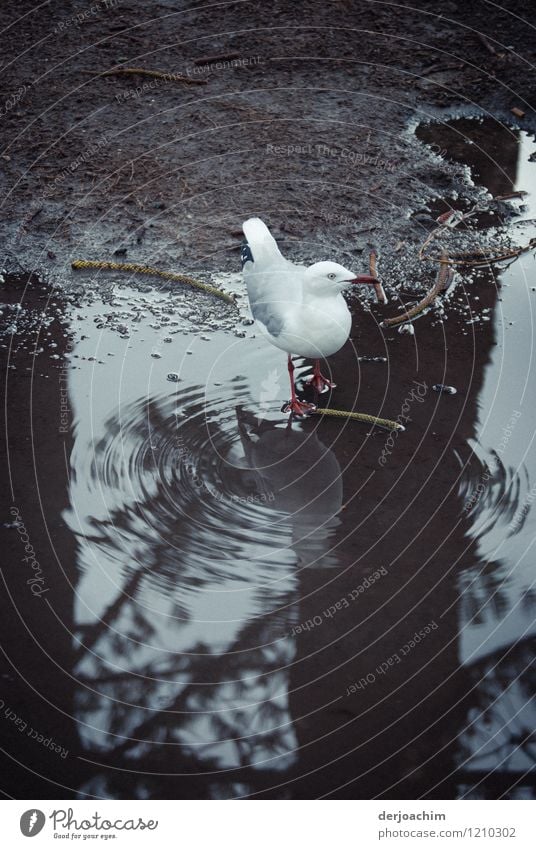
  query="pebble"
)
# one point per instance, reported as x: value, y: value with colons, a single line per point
x: 447, y: 390
x: 372, y: 359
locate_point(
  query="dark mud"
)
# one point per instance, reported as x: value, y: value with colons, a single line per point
x: 309, y: 132
x: 225, y: 606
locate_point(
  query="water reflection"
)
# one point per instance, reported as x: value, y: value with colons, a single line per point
x: 208, y: 529
x: 302, y: 478
x: 499, y: 739
x: 497, y: 594
x: 196, y: 524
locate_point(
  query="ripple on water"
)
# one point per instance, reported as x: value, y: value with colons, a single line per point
x: 194, y: 518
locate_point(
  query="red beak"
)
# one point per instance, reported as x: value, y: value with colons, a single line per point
x: 372, y: 281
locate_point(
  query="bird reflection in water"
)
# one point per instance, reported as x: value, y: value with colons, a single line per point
x: 304, y: 479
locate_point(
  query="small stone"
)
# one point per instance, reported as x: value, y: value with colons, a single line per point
x: 442, y: 387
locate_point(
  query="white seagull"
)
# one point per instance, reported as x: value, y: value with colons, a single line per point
x: 300, y: 309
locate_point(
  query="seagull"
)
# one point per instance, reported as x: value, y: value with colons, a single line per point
x: 300, y: 309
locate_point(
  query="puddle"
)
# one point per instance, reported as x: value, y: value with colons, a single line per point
x: 264, y: 610
x: 497, y: 613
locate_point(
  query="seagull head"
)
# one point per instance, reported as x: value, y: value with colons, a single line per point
x: 330, y: 278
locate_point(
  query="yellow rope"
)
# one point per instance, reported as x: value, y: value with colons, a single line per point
x: 359, y: 417
x: 160, y: 75
x: 181, y: 278
x: 144, y: 269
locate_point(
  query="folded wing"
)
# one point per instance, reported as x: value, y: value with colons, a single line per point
x: 274, y: 284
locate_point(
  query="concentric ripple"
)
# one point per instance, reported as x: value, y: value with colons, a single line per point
x: 203, y: 489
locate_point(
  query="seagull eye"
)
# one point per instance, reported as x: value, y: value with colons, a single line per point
x: 332, y: 276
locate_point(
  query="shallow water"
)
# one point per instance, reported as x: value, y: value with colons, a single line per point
x: 252, y: 607
x: 497, y: 610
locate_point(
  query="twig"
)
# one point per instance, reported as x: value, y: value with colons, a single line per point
x: 380, y: 294
x: 161, y: 75
x: 218, y: 57
x: 448, y: 222
x: 489, y: 47
x: 443, y: 280
x: 511, y: 195
x: 373, y: 256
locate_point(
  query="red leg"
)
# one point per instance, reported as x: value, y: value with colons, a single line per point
x: 298, y: 408
x: 320, y: 383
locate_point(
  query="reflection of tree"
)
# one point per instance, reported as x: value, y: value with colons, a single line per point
x: 492, y: 493
x: 500, y: 726
x: 482, y: 594
x: 492, y: 496
x: 163, y: 691
x: 496, y: 750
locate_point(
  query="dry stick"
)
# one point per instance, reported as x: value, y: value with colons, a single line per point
x: 373, y: 256
x: 359, y: 417
x: 218, y: 57
x: 161, y: 75
x: 380, y: 294
x: 511, y: 195
x: 144, y: 269
x: 489, y: 47
x: 463, y: 258
x: 444, y: 277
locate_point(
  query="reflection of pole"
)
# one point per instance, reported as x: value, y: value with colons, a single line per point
x: 489, y: 147
x: 396, y: 733
x: 390, y: 657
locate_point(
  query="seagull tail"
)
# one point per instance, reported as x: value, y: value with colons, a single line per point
x: 262, y: 247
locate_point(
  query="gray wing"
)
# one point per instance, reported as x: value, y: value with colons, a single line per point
x: 274, y: 284
x: 272, y: 292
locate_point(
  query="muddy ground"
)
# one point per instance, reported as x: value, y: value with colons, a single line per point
x: 312, y: 131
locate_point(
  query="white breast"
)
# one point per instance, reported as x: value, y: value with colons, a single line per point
x: 317, y: 329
